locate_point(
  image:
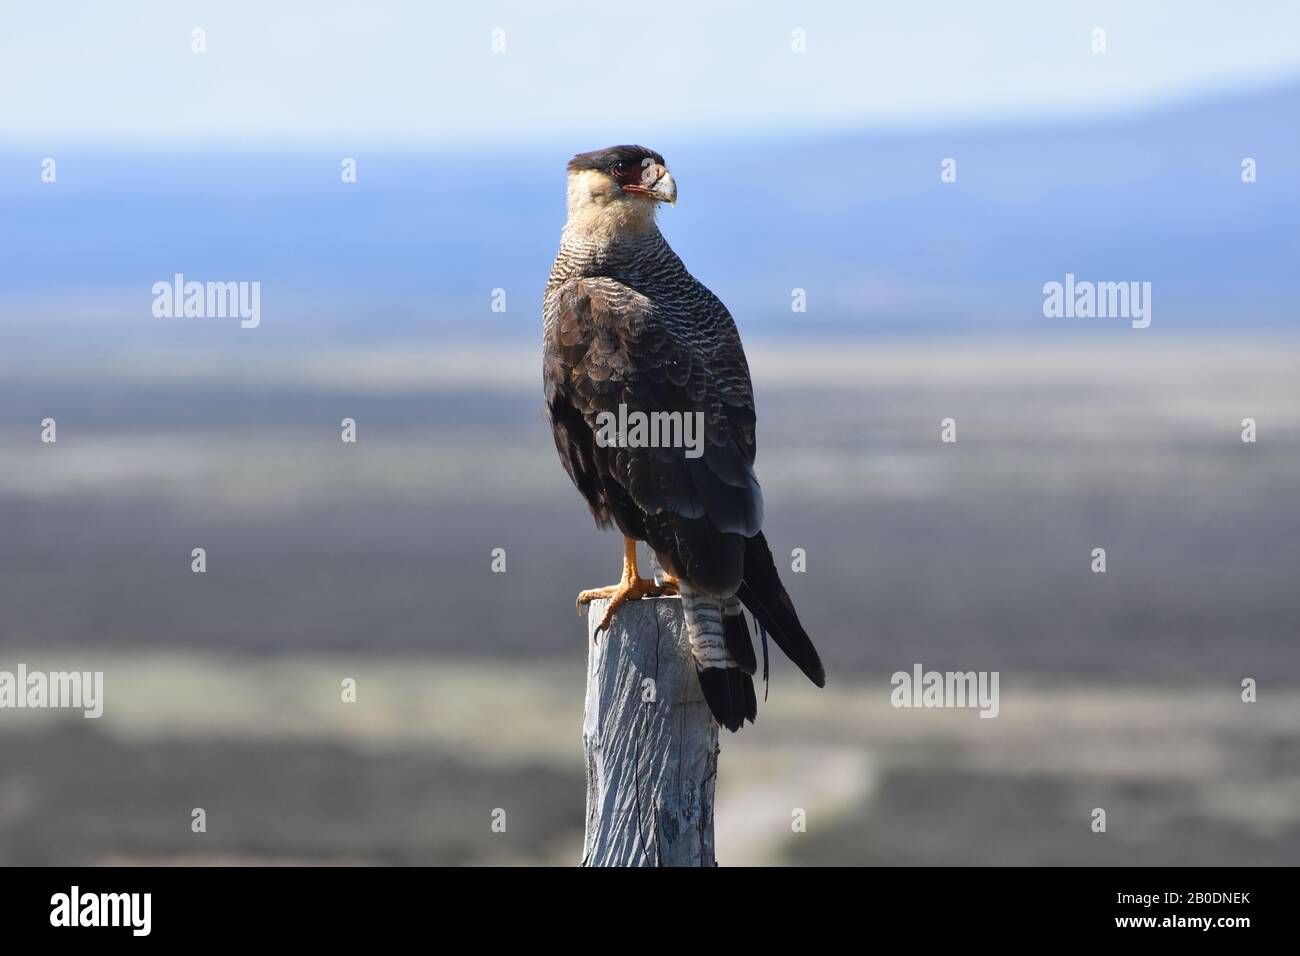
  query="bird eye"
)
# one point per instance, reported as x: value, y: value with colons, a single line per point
x: 617, y: 169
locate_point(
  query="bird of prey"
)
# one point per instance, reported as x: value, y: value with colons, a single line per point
x: 627, y: 329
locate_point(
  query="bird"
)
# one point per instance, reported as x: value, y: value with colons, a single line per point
x: 626, y: 330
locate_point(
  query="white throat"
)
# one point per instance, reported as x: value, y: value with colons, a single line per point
x: 600, y: 211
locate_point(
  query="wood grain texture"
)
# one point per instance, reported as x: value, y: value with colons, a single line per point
x: 652, y: 748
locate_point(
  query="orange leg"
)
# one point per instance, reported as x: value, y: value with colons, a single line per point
x: 631, y: 587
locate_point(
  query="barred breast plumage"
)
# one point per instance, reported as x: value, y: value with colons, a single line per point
x: 626, y: 325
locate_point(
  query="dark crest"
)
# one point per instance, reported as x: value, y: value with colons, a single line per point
x: 630, y: 157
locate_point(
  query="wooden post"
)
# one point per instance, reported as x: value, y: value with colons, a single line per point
x: 651, y: 743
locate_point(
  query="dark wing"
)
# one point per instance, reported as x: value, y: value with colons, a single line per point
x: 606, y: 345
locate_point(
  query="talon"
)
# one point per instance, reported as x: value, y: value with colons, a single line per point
x: 605, y: 621
x: 631, y: 587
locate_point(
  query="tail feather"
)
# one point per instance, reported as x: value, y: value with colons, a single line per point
x: 728, y: 689
x: 739, y: 644
x: 729, y: 692
x: 721, y: 645
x: 765, y: 596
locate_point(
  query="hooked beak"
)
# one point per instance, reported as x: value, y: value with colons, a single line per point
x: 657, y: 183
x: 665, y: 188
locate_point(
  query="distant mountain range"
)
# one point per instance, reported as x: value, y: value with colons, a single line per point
x: 863, y: 223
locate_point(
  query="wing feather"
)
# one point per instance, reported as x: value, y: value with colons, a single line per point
x: 606, y: 345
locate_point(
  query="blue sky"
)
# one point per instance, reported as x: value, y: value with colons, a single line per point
x: 423, y: 74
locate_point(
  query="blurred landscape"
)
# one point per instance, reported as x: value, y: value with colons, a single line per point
x: 814, y: 171
x: 373, y: 561
x: 410, y: 252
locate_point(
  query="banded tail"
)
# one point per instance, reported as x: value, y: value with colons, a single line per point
x: 712, y: 627
x: 720, y: 642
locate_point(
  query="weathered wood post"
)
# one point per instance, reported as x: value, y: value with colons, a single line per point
x: 651, y: 743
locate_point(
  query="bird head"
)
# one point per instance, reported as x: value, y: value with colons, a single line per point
x: 623, y: 183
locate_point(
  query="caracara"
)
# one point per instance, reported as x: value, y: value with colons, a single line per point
x: 629, y: 334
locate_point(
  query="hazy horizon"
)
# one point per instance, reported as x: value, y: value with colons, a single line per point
x: 414, y: 250
x: 1101, y: 512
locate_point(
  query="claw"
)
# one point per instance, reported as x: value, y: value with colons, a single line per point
x: 631, y: 587
x: 618, y: 594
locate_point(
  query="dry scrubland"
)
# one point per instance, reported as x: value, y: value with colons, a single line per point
x: 1118, y: 690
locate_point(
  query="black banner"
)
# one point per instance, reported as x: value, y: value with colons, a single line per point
x: 331, y: 905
